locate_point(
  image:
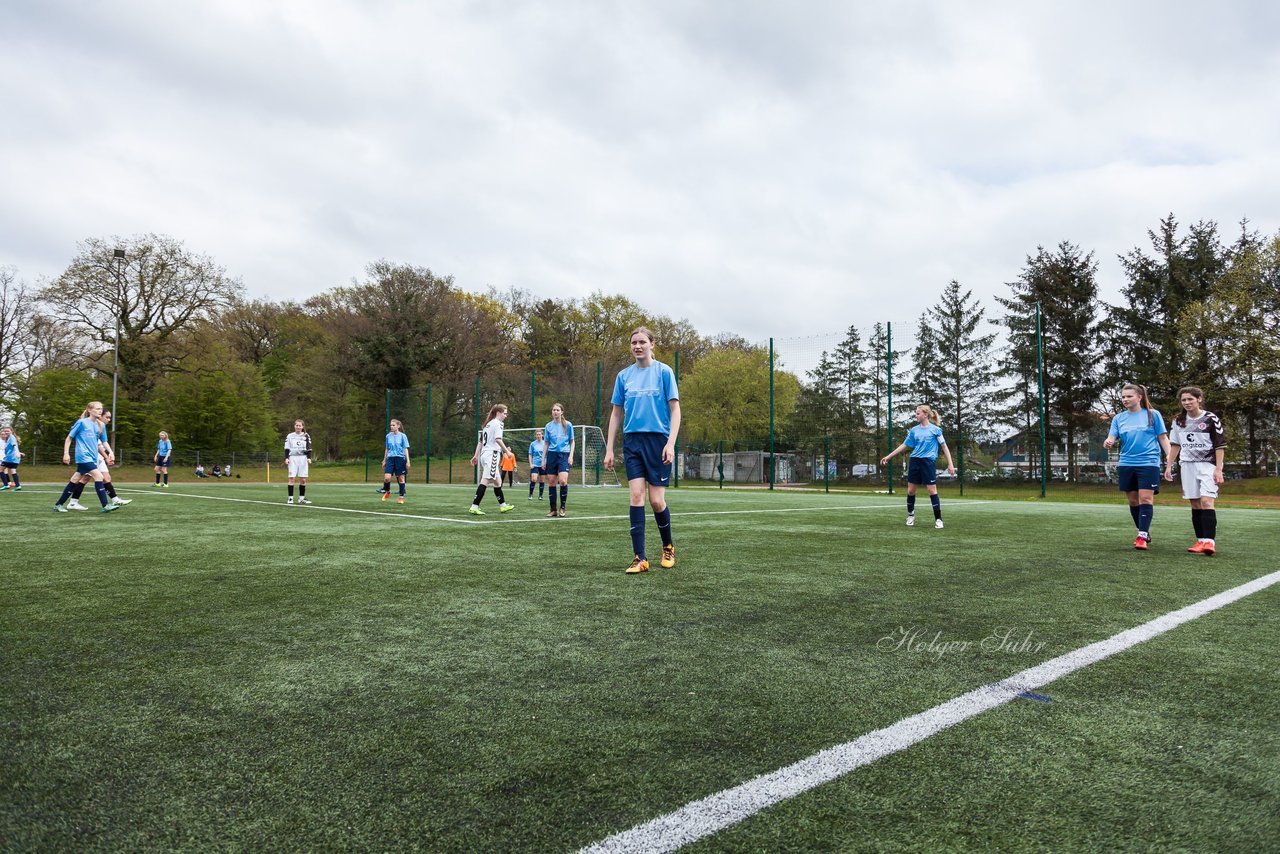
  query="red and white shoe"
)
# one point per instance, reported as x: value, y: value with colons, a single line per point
x: 1197, y: 548
x: 1210, y: 548
x: 1140, y: 543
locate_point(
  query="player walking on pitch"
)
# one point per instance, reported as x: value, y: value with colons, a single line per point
x: 560, y: 442
x: 1139, y: 431
x: 488, y: 455
x: 12, y: 459
x: 537, y: 452
x: 395, y: 461
x: 297, y: 457
x: 924, y: 441
x: 646, y: 402
x: 1197, y: 443
x: 164, y: 450
x: 84, y: 433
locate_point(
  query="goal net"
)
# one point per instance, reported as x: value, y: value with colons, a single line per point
x: 586, y: 467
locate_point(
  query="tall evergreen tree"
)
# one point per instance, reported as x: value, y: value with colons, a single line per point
x: 964, y: 359
x: 1064, y: 283
x: 878, y: 359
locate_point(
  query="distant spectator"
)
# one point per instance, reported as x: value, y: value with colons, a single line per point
x: 226, y: 470
x: 217, y: 470
x: 200, y: 470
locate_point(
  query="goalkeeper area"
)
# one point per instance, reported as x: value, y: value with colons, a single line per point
x: 587, y: 467
x: 211, y: 669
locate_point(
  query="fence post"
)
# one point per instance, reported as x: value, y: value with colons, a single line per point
x: 475, y: 474
x: 366, y: 468
x: 428, y: 463
x: 450, y: 466
x: 960, y: 460
x: 675, y: 481
x: 826, y: 460
x: 889, y: 385
x: 720, y: 464
x: 773, y: 467
x: 584, y: 442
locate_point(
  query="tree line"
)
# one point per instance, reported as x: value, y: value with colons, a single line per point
x: 226, y: 373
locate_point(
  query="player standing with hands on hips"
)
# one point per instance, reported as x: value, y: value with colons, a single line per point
x: 297, y: 457
x: 1139, y: 431
x: 924, y: 440
x: 1199, y: 447
x: 646, y: 402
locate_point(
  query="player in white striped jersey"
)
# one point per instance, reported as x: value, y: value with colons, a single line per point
x: 488, y: 455
x: 297, y: 458
x: 1199, y: 447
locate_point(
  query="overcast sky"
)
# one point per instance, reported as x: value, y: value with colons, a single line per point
x: 763, y: 168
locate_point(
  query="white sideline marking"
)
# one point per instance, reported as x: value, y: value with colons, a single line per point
x: 714, y: 813
x: 322, y: 507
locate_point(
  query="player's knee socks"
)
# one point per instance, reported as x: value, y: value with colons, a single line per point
x: 479, y: 495
x: 401, y: 488
x: 541, y: 489
x: 553, y: 497
x: 66, y: 492
x: 1197, y: 522
x: 4, y: 478
x: 497, y: 493
x: 17, y: 481
x: 1145, y: 513
x: 166, y: 477
x: 110, y: 487
x: 911, y: 505
x: 157, y: 477
x: 1134, y: 512
x: 101, y: 489
x: 291, y: 490
x: 302, y: 490
x: 531, y: 485
x: 663, y: 518
x: 937, y: 506
x: 77, y: 490
x: 564, y: 495
x: 637, y: 530
x: 1209, y: 523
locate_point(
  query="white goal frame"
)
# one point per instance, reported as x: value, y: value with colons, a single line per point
x: 588, y: 453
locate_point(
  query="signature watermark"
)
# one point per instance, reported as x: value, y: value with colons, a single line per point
x: 1004, y: 640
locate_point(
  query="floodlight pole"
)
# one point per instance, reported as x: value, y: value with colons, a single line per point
x: 1044, y: 459
x: 118, y: 259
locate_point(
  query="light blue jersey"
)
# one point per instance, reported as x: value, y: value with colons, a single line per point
x: 645, y: 395
x: 11, y: 449
x: 397, y: 445
x: 558, y: 438
x: 85, y: 435
x: 164, y: 448
x: 536, y: 450
x: 1139, y: 440
x: 923, y: 440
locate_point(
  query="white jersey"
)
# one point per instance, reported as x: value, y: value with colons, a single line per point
x: 492, y: 433
x: 297, y: 445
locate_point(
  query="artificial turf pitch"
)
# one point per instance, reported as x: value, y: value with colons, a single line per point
x: 211, y: 669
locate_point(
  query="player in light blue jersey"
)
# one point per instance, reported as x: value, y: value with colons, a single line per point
x: 11, y: 460
x: 646, y: 402
x: 924, y: 441
x: 1140, y: 432
x: 84, y: 434
x: 164, y: 450
x: 395, y: 461
x: 537, y: 456
x: 560, y: 448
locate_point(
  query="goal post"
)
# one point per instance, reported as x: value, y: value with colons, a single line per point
x: 587, y: 466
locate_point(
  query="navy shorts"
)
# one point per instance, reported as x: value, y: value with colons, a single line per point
x: 557, y: 461
x: 642, y: 453
x: 1134, y: 478
x: 922, y: 471
x: 537, y: 470
x: 163, y: 462
x: 86, y: 468
x: 397, y: 466
x: 10, y: 465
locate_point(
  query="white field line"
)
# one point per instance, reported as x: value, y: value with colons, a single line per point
x: 505, y: 520
x: 709, y: 815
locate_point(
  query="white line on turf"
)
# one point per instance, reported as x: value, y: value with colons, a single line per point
x: 704, y: 817
x: 322, y: 507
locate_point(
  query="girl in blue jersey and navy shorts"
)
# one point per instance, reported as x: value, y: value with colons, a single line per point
x: 924, y: 441
x: 537, y: 457
x: 164, y: 450
x: 559, y: 437
x: 12, y: 459
x: 395, y: 461
x: 646, y: 402
x: 1139, y: 431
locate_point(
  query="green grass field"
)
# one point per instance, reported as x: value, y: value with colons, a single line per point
x: 211, y: 669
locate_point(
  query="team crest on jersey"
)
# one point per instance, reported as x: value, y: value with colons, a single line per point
x: 1202, y: 425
